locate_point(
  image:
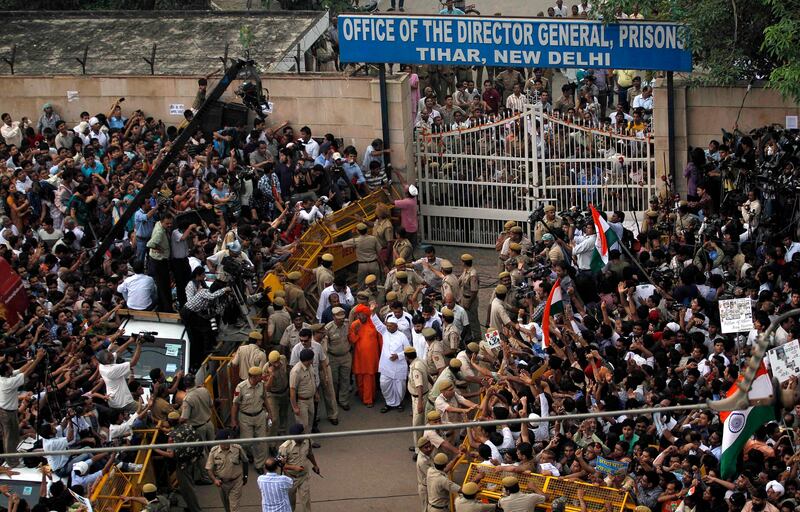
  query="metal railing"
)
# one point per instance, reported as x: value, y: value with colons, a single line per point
x: 107, y: 495
x: 474, y: 179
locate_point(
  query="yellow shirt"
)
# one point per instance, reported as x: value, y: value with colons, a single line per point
x: 624, y: 77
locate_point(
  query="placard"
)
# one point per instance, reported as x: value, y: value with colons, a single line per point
x: 791, y: 122
x: 785, y: 361
x: 176, y: 109
x: 611, y: 467
x: 515, y: 42
x: 493, y: 339
x: 735, y: 315
x: 72, y: 96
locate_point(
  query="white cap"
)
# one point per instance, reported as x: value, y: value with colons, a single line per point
x: 235, y: 246
x: 672, y: 326
x: 413, y: 191
x: 337, y: 156
x: 391, y: 320
x: 774, y: 485
x: 93, y: 121
x: 81, y: 468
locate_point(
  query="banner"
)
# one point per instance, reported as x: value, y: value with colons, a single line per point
x: 13, y: 296
x: 515, y: 42
x: 611, y: 467
x: 735, y: 315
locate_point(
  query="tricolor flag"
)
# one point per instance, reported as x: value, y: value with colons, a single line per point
x: 739, y: 426
x: 606, y: 237
x: 554, y: 305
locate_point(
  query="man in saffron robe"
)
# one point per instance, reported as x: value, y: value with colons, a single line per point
x: 367, y: 348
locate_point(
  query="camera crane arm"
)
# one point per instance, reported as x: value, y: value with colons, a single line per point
x: 163, y: 164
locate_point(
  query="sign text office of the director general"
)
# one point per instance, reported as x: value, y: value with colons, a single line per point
x: 516, y: 42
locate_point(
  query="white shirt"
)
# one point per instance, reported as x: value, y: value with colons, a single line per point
x: 345, y: 297
x: 57, y: 443
x: 101, y: 137
x: 139, y: 291
x: 516, y: 103
x: 9, y: 391
x: 12, y: 134
x: 319, y: 356
x: 23, y: 186
x: 584, y: 251
x: 791, y: 250
x: 312, y: 148
x: 562, y: 11
x: 584, y: 9
x: 393, y: 343
x: 116, y: 378
x: 85, y: 481
x: 420, y: 345
x: 645, y: 103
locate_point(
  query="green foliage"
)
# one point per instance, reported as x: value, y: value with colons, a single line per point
x: 246, y: 36
x: 734, y: 40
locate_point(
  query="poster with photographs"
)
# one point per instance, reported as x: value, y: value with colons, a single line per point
x: 785, y: 361
x: 735, y: 315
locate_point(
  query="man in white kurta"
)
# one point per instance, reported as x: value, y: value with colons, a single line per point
x: 392, y: 365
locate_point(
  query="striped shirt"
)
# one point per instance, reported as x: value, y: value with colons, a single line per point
x: 275, y: 492
x: 202, y: 299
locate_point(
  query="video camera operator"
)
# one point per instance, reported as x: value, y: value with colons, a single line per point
x: 221, y: 263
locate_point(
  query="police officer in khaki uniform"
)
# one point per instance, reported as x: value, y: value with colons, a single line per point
x: 277, y: 323
x: 400, y: 265
x: 470, y: 284
x: 339, y: 356
x: 291, y: 335
x: 326, y: 375
x: 323, y: 274
x: 424, y: 454
x: 276, y: 372
x: 250, y: 411
x: 439, y: 485
x: 227, y: 466
x: 152, y: 501
x: 297, y: 454
x: 418, y: 385
x: 376, y: 295
x: 434, y: 356
x: 196, y: 409
x: 467, y: 502
x: 450, y: 283
x: 517, y: 237
x: 451, y: 338
x: 368, y: 250
x: 550, y: 219
x: 302, y: 388
x: 498, y: 315
x: 404, y: 290
x: 296, y: 297
x: 516, y: 501
x: 249, y: 355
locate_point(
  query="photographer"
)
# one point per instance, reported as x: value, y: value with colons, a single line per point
x: 202, y: 305
x: 115, y: 376
x: 217, y: 263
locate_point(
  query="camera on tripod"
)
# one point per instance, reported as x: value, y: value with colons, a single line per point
x: 238, y: 268
x: 575, y: 217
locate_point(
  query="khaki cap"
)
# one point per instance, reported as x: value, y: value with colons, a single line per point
x: 445, y: 385
x: 279, y: 293
x: 337, y: 311
x: 683, y: 202
x: 370, y: 279
x: 327, y: 257
x: 422, y: 441
x: 255, y: 335
x: 149, y: 488
x: 317, y: 327
x: 510, y: 481
x: 447, y: 312
x: 470, y: 489
x: 447, y: 264
x: 362, y: 295
x: 441, y: 459
x: 254, y: 371
x: 549, y: 208
x: 402, y: 274
x: 409, y: 350
x: 473, y: 347
x: 400, y: 261
x: 279, y: 301
x: 651, y: 213
x: 174, y: 415
x: 515, y: 247
x: 455, y: 363
x: 500, y: 289
x: 429, y: 332
x: 361, y: 226
x: 274, y: 356
x: 466, y: 257
x: 503, y: 274
x: 510, y: 224
x: 391, y: 296
x: 294, y: 276
x: 516, y: 229
x: 433, y: 416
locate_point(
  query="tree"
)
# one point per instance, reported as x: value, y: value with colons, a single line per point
x: 733, y: 40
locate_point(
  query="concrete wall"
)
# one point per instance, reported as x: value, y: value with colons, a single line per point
x: 702, y: 112
x: 347, y: 107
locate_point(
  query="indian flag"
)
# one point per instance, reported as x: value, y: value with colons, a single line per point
x: 739, y: 426
x: 606, y: 237
x: 554, y: 305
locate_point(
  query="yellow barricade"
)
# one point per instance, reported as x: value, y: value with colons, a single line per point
x: 220, y: 381
x: 107, y: 496
x: 333, y: 228
x: 551, y: 487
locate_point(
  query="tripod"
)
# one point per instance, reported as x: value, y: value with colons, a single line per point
x: 241, y: 301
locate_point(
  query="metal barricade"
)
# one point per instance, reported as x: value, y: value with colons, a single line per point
x: 107, y: 496
x: 220, y: 381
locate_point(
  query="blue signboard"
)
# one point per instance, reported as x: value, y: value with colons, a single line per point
x: 515, y: 42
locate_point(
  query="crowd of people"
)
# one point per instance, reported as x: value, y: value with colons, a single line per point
x: 638, y: 328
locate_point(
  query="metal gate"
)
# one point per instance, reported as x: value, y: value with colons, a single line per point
x: 474, y: 179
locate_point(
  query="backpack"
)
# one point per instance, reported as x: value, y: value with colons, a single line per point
x: 183, y: 434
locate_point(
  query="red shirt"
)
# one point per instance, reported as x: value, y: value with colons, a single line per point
x: 492, y: 99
